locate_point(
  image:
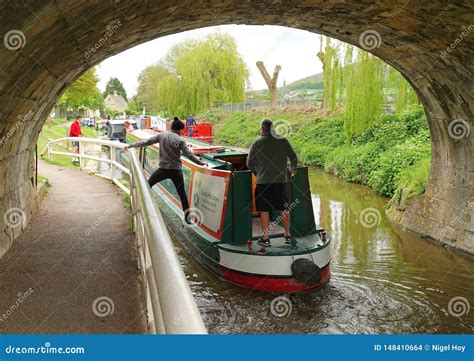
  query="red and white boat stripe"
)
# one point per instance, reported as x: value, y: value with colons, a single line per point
x: 270, y: 273
x: 271, y: 283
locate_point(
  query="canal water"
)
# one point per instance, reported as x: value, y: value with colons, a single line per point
x: 383, y: 280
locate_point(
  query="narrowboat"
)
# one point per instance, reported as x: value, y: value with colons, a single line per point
x: 224, y: 235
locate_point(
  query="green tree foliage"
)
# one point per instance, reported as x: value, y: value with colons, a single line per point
x: 170, y: 59
x: 405, y: 96
x: 202, y: 73
x: 148, y: 81
x: 364, y: 94
x: 135, y: 106
x: 330, y: 70
x: 83, y: 93
x: 115, y: 85
x: 358, y: 78
x: 392, y: 155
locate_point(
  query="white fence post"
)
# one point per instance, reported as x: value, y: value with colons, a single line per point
x: 81, y: 153
x: 112, y: 163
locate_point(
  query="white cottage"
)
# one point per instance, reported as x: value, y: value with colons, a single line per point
x: 115, y: 102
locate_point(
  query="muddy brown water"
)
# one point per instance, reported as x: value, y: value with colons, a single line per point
x: 383, y: 280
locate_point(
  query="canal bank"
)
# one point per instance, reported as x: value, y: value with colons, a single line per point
x: 392, y: 156
x: 383, y: 281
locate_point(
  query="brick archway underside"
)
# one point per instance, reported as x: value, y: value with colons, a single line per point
x: 415, y: 36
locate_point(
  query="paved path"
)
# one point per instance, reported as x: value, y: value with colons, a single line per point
x: 74, y: 268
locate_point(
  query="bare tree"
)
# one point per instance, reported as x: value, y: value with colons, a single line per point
x: 271, y: 82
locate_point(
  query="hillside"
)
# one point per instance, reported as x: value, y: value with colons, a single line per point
x: 314, y: 81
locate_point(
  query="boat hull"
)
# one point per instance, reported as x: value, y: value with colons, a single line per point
x: 208, y: 254
x: 223, y: 237
x: 269, y: 283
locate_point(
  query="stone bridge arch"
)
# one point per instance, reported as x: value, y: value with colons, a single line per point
x: 48, y: 44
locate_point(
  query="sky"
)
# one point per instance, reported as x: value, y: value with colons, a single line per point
x: 295, y: 50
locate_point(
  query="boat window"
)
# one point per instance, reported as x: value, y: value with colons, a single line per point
x: 118, y: 131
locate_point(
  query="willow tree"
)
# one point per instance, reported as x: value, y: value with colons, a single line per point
x: 202, y: 73
x: 358, y: 78
x: 364, y: 93
x: 332, y: 74
x: 148, y: 80
x: 405, y: 96
x: 322, y: 59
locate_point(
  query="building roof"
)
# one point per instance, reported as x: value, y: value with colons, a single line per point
x: 115, y: 102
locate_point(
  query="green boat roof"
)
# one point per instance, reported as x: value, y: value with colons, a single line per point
x: 226, y: 153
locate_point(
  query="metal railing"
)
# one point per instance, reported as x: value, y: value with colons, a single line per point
x: 82, y: 156
x: 170, y: 303
x: 254, y: 104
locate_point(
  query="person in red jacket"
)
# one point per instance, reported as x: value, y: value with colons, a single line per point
x: 75, y: 131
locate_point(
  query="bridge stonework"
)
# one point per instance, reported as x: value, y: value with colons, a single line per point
x: 48, y: 44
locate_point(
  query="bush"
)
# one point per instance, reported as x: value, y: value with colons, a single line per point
x: 413, y: 179
x: 360, y: 162
x: 392, y: 154
x: 335, y: 160
x: 314, y: 154
x: 392, y: 162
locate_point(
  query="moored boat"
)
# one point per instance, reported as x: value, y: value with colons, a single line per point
x: 223, y: 236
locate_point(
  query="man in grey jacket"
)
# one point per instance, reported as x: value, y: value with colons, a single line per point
x: 268, y: 160
x: 171, y: 147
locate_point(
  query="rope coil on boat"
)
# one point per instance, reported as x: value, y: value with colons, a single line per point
x: 306, y: 271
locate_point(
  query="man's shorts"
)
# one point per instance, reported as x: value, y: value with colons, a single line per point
x: 272, y: 196
x: 75, y: 144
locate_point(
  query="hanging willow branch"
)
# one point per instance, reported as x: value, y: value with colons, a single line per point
x: 359, y: 79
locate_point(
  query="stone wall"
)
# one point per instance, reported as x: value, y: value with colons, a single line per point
x: 48, y: 44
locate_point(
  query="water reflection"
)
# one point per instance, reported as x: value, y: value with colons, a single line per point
x: 383, y: 280
x: 102, y: 152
